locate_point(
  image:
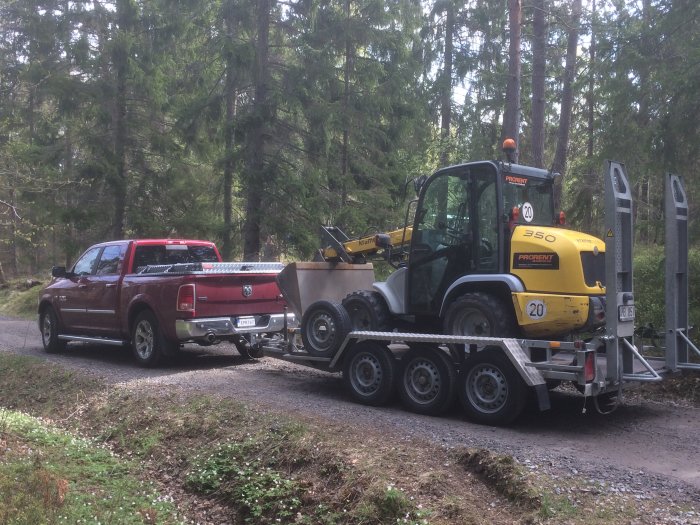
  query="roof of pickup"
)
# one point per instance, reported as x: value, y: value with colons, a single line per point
x: 160, y: 242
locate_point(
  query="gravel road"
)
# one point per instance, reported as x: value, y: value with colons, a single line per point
x: 645, y: 448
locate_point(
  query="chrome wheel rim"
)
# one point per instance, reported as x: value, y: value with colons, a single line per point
x: 143, y: 339
x: 46, y: 329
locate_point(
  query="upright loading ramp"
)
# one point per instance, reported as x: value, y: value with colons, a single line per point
x: 678, y: 345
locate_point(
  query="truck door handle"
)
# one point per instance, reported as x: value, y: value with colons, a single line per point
x: 82, y: 286
x: 110, y: 285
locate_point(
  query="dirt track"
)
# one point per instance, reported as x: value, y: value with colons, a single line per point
x: 644, y: 447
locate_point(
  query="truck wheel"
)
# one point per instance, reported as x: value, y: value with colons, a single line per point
x: 324, y: 326
x: 49, y: 332
x: 490, y: 390
x: 368, y: 373
x: 147, y: 341
x: 480, y: 315
x: 427, y: 380
x: 368, y: 311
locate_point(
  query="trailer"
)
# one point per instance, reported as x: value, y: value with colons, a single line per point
x: 492, y: 376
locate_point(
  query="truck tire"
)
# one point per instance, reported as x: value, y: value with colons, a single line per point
x: 368, y: 373
x: 427, y: 380
x: 368, y: 311
x: 324, y: 326
x: 48, y: 321
x: 147, y: 340
x: 490, y: 390
x: 479, y: 315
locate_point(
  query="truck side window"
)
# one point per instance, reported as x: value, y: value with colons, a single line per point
x: 110, y: 261
x: 86, y: 264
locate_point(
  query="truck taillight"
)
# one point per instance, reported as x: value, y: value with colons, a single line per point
x: 185, y: 298
x: 589, y: 367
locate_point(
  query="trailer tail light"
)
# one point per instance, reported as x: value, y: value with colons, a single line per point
x: 589, y: 367
x: 185, y: 298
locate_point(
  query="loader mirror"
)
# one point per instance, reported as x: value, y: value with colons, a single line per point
x: 419, y: 182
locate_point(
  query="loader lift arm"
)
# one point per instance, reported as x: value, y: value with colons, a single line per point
x: 337, y: 246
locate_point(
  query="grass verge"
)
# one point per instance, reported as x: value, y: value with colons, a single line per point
x: 225, y: 462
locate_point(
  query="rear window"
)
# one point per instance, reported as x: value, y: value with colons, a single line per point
x: 172, y: 254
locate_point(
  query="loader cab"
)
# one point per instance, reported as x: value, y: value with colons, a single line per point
x: 463, y: 222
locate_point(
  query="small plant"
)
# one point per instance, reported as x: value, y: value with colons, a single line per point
x: 234, y: 472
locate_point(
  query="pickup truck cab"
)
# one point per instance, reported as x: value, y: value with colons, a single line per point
x: 156, y: 294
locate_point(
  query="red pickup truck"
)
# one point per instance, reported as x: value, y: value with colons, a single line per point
x: 156, y: 294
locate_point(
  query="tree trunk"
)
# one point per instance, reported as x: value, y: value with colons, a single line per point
x: 229, y: 127
x: 446, y: 85
x: 590, y: 183
x: 347, y: 68
x: 567, y: 98
x: 539, y: 40
x: 511, y: 116
x: 120, y: 59
x: 261, y: 116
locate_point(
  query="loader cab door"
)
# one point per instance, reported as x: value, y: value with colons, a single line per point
x: 455, y: 233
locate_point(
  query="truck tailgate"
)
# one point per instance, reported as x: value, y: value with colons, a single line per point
x: 234, y: 295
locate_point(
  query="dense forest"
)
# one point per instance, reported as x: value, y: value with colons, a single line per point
x: 252, y: 122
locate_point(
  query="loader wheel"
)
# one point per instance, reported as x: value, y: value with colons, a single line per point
x: 324, y: 326
x: 479, y: 315
x: 490, y: 390
x: 368, y: 311
x: 369, y: 373
x: 427, y: 381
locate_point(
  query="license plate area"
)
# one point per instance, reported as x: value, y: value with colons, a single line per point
x: 625, y: 313
x: 245, y: 322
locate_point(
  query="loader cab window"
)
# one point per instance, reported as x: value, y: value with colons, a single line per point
x: 532, y: 197
x: 455, y: 233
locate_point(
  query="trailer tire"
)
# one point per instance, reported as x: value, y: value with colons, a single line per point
x: 324, y: 326
x: 48, y: 321
x: 490, y: 389
x: 481, y: 315
x: 368, y: 311
x: 428, y: 380
x: 368, y: 373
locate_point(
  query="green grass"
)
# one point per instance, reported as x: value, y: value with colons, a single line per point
x: 50, y: 476
x: 18, y: 301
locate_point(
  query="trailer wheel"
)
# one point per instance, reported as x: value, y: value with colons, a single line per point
x: 428, y: 380
x: 369, y: 373
x: 148, y: 342
x: 324, y: 326
x: 490, y: 389
x: 368, y: 310
x: 480, y: 315
x: 49, y: 332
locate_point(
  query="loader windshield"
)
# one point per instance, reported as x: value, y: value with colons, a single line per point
x: 531, y: 197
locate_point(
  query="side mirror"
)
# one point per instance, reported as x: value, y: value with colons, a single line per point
x: 58, y: 271
x: 418, y: 183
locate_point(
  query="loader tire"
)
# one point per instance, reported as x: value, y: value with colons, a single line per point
x: 479, y: 315
x: 368, y: 311
x: 324, y: 326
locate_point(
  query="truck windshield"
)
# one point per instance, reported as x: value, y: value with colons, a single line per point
x: 532, y: 197
x: 146, y: 255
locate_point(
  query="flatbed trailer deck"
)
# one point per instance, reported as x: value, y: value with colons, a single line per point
x: 492, y: 376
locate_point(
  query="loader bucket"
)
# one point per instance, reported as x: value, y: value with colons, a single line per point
x: 304, y: 283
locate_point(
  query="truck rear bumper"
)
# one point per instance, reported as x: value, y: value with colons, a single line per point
x: 223, y: 327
